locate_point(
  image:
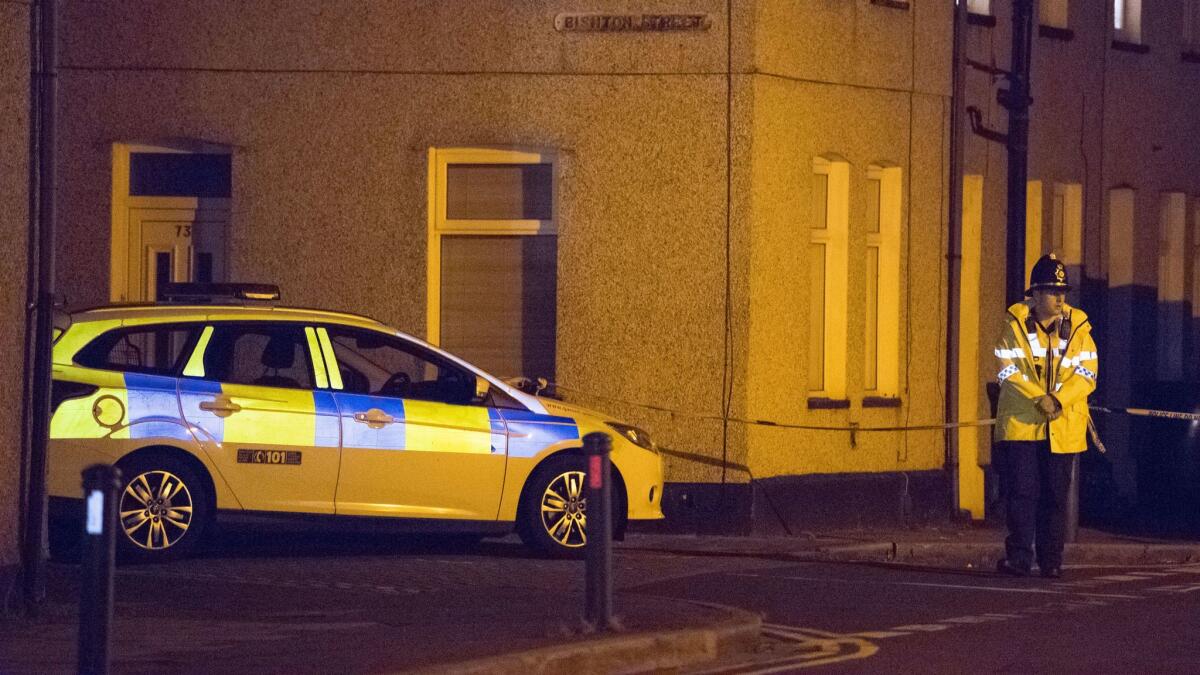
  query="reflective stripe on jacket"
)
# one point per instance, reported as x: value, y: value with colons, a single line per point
x: 1029, y: 363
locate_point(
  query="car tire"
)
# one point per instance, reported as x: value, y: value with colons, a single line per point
x: 162, y: 509
x: 558, y: 530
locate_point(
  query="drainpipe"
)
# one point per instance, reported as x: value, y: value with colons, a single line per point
x: 1016, y: 100
x: 44, y: 93
x: 953, y: 253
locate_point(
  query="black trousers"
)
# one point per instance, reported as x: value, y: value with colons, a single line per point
x: 1036, y: 485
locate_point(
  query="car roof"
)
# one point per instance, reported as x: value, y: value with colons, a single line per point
x: 155, y: 313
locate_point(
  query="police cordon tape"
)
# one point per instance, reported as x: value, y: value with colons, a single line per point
x: 1144, y: 412
x: 852, y: 428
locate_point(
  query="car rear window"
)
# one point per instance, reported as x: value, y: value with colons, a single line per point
x: 154, y: 350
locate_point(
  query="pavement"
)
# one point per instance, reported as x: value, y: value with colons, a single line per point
x: 181, y: 618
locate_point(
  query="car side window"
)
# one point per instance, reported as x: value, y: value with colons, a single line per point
x: 267, y: 355
x: 382, y: 365
x: 153, y: 350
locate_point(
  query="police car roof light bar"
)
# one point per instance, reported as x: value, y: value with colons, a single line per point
x: 213, y: 293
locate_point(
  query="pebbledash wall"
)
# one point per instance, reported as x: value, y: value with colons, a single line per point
x: 14, y: 227
x: 684, y: 202
x: 329, y: 110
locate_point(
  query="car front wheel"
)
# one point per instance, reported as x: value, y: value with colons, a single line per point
x: 553, y: 517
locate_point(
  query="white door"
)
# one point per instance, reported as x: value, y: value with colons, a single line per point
x: 174, y: 245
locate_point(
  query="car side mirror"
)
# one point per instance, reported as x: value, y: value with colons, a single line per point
x: 482, y: 387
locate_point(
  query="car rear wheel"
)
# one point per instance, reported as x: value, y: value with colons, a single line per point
x: 162, y: 509
x: 553, y: 518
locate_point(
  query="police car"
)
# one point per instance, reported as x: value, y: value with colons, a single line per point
x: 223, y: 403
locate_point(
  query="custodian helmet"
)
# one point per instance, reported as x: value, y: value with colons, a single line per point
x: 1049, y: 273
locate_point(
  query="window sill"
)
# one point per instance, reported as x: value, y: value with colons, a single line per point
x: 981, y: 20
x: 1190, y: 56
x: 821, y: 403
x: 1056, y: 33
x: 1132, y: 47
x: 893, y: 4
x: 881, y: 402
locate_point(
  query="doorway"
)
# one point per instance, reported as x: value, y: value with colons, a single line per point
x: 170, y: 218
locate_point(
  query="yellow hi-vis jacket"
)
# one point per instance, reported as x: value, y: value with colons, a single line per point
x: 1032, y: 363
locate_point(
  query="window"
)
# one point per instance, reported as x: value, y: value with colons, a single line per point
x: 881, y: 344
x: 1033, y: 224
x: 1191, y: 24
x: 382, y: 365
x: 1172, y: 231
x: 1127, y: 21
x: 1053, y: 13
x: 1120, y: 237
x: 265, y: 355
x: 979, y: 7
x: 180, y: 174
x: 493, y: 258
x: 153, y: 350
x: 1067, y: 223
x: 828, y: 261
x: 979, y: 12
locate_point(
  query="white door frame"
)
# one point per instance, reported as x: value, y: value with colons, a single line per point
x: 122, y: 203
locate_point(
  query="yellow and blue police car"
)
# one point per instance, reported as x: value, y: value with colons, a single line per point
x: 224, y: 402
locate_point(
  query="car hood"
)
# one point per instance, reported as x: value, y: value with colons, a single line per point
x: 556, y: 407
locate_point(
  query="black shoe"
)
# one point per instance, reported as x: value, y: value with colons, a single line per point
x: 1053, y: 572
x: 1005, y: 566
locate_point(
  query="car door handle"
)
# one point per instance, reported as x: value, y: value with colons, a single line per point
x: 374, y: 418
x: 221, y: 406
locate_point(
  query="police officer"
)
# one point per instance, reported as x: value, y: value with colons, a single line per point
x: 1047, y: 365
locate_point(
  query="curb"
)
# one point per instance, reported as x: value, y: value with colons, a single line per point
x: 635, y: 653
x: 1120, y: 554
x: 958, y: 553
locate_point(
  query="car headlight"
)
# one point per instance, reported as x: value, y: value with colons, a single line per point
x: 634, y: 435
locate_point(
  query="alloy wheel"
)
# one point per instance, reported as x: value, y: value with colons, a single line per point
x: 156, y: 510
x: 564, y: 510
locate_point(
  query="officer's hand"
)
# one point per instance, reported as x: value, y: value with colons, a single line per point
x: 1049, y: 406
x: 1044, y: 405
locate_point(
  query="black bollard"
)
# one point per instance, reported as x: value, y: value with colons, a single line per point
x: 101, y: 484
x: 598, y: 601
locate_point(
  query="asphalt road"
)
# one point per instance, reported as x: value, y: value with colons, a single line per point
x: 848, y: 618
x: 838, y: 617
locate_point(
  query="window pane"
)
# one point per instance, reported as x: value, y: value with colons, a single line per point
x: 162, y: 273
x: 169, y: 174
x: 499, y: 302
x: 820, y: 203
x: 1191, y: 26
x: 155, y: 351
x: 1053, y: 13
x: 1059, y: 222
x: 384, y: 365
x: 979, y: 6
x: 268, y: 356
x: 871, y: 345
x: 499, y: 191
x: 873, y: 206
x: 816, y: 326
